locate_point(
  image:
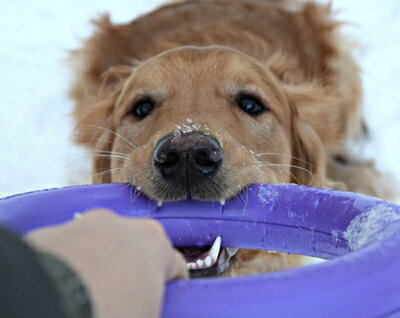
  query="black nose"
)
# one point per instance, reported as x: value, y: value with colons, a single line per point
x: 187, y: 158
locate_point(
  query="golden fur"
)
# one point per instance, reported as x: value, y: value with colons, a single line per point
x: 192, y: 57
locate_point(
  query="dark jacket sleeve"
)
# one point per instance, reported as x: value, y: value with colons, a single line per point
x: 37, y: 285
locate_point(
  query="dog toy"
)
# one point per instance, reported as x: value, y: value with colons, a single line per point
x: 358, y: 234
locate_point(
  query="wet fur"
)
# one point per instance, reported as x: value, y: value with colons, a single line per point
x: 291, y: 51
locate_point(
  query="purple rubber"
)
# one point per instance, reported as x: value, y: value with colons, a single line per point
x: 288, y: 218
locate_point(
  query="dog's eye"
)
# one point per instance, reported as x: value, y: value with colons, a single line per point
x: 142, y: 108
x: 251, y: 105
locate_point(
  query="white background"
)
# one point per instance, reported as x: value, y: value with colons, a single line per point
x: 35, y: 36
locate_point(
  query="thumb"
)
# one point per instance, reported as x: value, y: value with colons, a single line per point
x: 177, y: 268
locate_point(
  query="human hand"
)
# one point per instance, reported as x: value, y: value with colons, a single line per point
x: 124, y: 263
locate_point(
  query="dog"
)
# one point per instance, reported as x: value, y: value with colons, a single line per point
x: 201, y: 98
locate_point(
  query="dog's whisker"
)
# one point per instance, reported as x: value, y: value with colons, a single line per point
x: 116, y: 134
x: 284, y: 165
x: 111, y: 142
x: 109, y: 152
x: 90, y: 157
x: 110, y: 156
x: 105, y: 172
x: 295, y: 178
x: 219, y: 189
x: 99, y: 156
x: 276, y: 165
x: 101, y: 173
x: 283, y: 155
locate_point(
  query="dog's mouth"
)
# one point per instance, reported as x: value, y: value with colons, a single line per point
x: 208, y: 261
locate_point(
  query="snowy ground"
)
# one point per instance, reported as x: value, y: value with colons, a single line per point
x: 36, y: 35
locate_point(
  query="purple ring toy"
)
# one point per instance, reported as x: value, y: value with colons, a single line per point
x: 361, y: 233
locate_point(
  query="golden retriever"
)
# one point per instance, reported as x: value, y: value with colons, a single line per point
x: 201, y: 98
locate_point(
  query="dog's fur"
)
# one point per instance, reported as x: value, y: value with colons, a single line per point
x: 193, y: 58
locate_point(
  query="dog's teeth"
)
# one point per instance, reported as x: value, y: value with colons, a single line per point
x: 222, y: 202
x: 190, y: 265
x: 139, y: 188
x: 200, y: 263
x: 159, y: 204
x: 208, y: 261
x: 214, y: 250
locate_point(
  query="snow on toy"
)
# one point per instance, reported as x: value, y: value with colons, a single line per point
x: 360, y: 235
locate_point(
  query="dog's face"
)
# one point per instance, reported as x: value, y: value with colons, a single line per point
x: 204, y: 124
x: 197, y: 123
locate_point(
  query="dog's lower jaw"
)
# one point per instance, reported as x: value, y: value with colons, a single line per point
x: 222, y: 265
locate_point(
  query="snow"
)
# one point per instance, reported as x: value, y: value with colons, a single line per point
x: 266, y: 194
x: 336, y: 235
x: 35, y: 127
x: 184, y: 128
x: 34, y: 113
x: 370, y: 226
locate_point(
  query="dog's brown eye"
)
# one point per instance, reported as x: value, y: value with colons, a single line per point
x: 251, y: 105
x: 142, y: 108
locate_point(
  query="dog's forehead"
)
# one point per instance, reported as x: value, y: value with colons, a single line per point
x: 223, y: 70
x: 188, y: 63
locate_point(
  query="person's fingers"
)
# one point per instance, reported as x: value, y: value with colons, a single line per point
x: 174, y: 263
x: 177, y: 267
x: 148, y: 230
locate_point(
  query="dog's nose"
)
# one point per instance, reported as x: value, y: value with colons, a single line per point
x: 187, y: 158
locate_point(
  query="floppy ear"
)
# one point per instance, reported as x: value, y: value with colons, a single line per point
x: 94, y: 122
x: 314, y: 130
x: 321, y: 110
x: 94, y: 117
x: 309, y: 156
x: 101, y: 162
x: 94, y: 129
x: 91, y: 122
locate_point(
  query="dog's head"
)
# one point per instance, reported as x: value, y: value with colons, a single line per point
x: 201, y: 123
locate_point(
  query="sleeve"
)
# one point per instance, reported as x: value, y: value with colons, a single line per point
x: 37, y: 285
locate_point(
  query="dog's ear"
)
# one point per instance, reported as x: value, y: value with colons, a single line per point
x: 315, y: 128
x: 94, y: 122
x: 309, y: 156
x: 317, y: 102
x: 95, y: 116
x: 112, y: 79
x: 321, y: 110
x: 94, y: 129
x: 101, y: 162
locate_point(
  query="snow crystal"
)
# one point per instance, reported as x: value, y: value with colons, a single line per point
x: 266, y: 194
x: 335, y: 235
x: 188, y: 128
x: 370, y: 226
